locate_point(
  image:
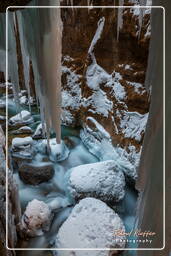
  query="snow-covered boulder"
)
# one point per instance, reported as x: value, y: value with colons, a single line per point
x: 24, y: 117
x: 22, y: 147
x: 36, y: 173
x: 36, y: 218
x: 102, y: 180
x: 91, y: 224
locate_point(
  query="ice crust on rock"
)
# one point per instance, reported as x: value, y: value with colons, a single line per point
x: 91, y: 224
x: 58, y: 152
x: 24, y: 117
x: 101, y: 146
x: 36, y: 218
x: 102, y: 180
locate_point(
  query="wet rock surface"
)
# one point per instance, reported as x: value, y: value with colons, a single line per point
x: 35, y: 174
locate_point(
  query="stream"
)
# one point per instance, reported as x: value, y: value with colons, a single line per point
x: 55, y: 189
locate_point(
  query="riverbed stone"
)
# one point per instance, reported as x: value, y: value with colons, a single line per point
x: 91, y: 224
x: 36, y: 218
x: 102, y: 180
x: 35, y: 174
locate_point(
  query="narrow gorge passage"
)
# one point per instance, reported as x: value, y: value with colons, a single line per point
x: 78, y: 104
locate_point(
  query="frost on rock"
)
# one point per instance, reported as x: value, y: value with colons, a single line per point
x: 95, y: 76
x: 99, y: 143
x: 71, y: 97
x: 133, y: 125
x: 24, y: 117
x: 103, y: 180
x: 84, y: 228
x: 99, y: 103
x: 58, y: 152
x: 36, y: 218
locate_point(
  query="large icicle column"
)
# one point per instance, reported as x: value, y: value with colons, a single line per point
x: 44, y: 46
x: 50, y: 66
x: 150, y: 180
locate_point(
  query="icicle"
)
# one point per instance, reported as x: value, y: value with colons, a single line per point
x: 96, y: 37
x: 141, y: 15
x: 120, y: 18
x: 44, y: 45
x: 25, y: 57
x: 12, y: 59
x: 2, y: 44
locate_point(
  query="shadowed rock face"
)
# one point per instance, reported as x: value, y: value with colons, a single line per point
x: 6, y: 3
x: 13, y: 205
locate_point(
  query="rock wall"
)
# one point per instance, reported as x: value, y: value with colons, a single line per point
x: 111, y: 89
x: 13, y: 205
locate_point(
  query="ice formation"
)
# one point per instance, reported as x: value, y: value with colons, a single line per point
x: 57, y: 152
x: 46, y: 64
x: 84, y: 228
x: 99, y: 143
x: 120, y: 18
x: 103, y: 180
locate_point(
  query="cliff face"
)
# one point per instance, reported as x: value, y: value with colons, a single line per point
x: 108, y: 87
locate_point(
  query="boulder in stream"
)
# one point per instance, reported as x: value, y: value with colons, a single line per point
x: 102, y: 180
x: 36, y: 218
x: 91, y: 224
x: 35, y: 174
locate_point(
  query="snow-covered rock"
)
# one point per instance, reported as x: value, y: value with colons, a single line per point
x: 91, y: 224
x: 18, y: 142
x: 102, y: 180
x: 36, y: 218
x: 24, y: 117
x: 22, y: 147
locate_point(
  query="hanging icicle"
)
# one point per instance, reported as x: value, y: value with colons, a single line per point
x: 141, y: 15
x: 12, y: 59
x: 25, y: 56
x: 120, y: 18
